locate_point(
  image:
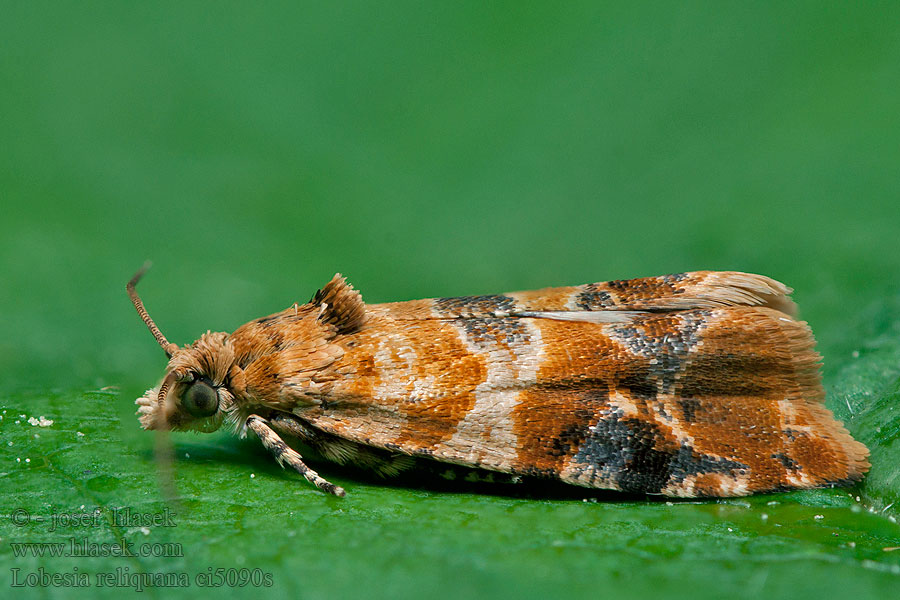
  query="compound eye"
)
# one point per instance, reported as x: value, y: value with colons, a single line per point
x: 201, y: 399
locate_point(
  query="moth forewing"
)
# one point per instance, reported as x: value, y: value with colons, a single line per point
x: 693, y: 384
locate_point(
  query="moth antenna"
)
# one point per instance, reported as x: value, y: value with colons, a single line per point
x: 169, y: 348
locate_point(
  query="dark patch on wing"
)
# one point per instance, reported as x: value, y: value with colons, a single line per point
x: 474, y: 306
x: 632, y: 293
x: 675, y: 278
x: 787, y: 461
x: 647, y: 287
x: 687, y: 462
x: 635, y: 455
x: 689, y: 408
x: 666, y: 340
x: 624, y: 450
x: 477, y: 315
x: 591, y: 298
x: 639, y: 383
x: 570, y: 437
x: 552, y: 422
x: 484, y: 333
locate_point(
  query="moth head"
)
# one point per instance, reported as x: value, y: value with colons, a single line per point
x: 195, y: 392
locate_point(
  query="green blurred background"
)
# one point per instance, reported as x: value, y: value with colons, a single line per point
x: 432, y: 149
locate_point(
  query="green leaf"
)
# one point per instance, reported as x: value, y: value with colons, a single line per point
x: 866, y: 396
x: 429, y: 149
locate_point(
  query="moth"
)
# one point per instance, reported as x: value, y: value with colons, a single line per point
x: 695, y: 384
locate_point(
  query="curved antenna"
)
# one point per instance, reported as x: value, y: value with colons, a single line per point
x: 169, y: 348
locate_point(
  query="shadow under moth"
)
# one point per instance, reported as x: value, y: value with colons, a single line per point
x: 695, y: 385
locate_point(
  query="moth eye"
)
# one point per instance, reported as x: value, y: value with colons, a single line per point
x: 200, y: 399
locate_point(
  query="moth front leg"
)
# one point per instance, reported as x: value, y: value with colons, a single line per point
x: 284, y: 454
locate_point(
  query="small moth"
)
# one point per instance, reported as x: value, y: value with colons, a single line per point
x: 695, y: 385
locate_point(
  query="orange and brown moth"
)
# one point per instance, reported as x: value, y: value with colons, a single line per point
x: 694, y: 384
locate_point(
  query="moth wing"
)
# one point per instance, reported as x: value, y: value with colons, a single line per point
x: 608, y: 301
x: 701, y: 385
x: 705, y: 402
x: 679, y: 291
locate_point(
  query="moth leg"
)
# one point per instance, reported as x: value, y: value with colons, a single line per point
x: 339, y: 450
x: 290, y: 425
x: 284, y: 454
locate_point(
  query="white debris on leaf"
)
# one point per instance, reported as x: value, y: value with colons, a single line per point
x: 41, y: 421
x: 79, y: 434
